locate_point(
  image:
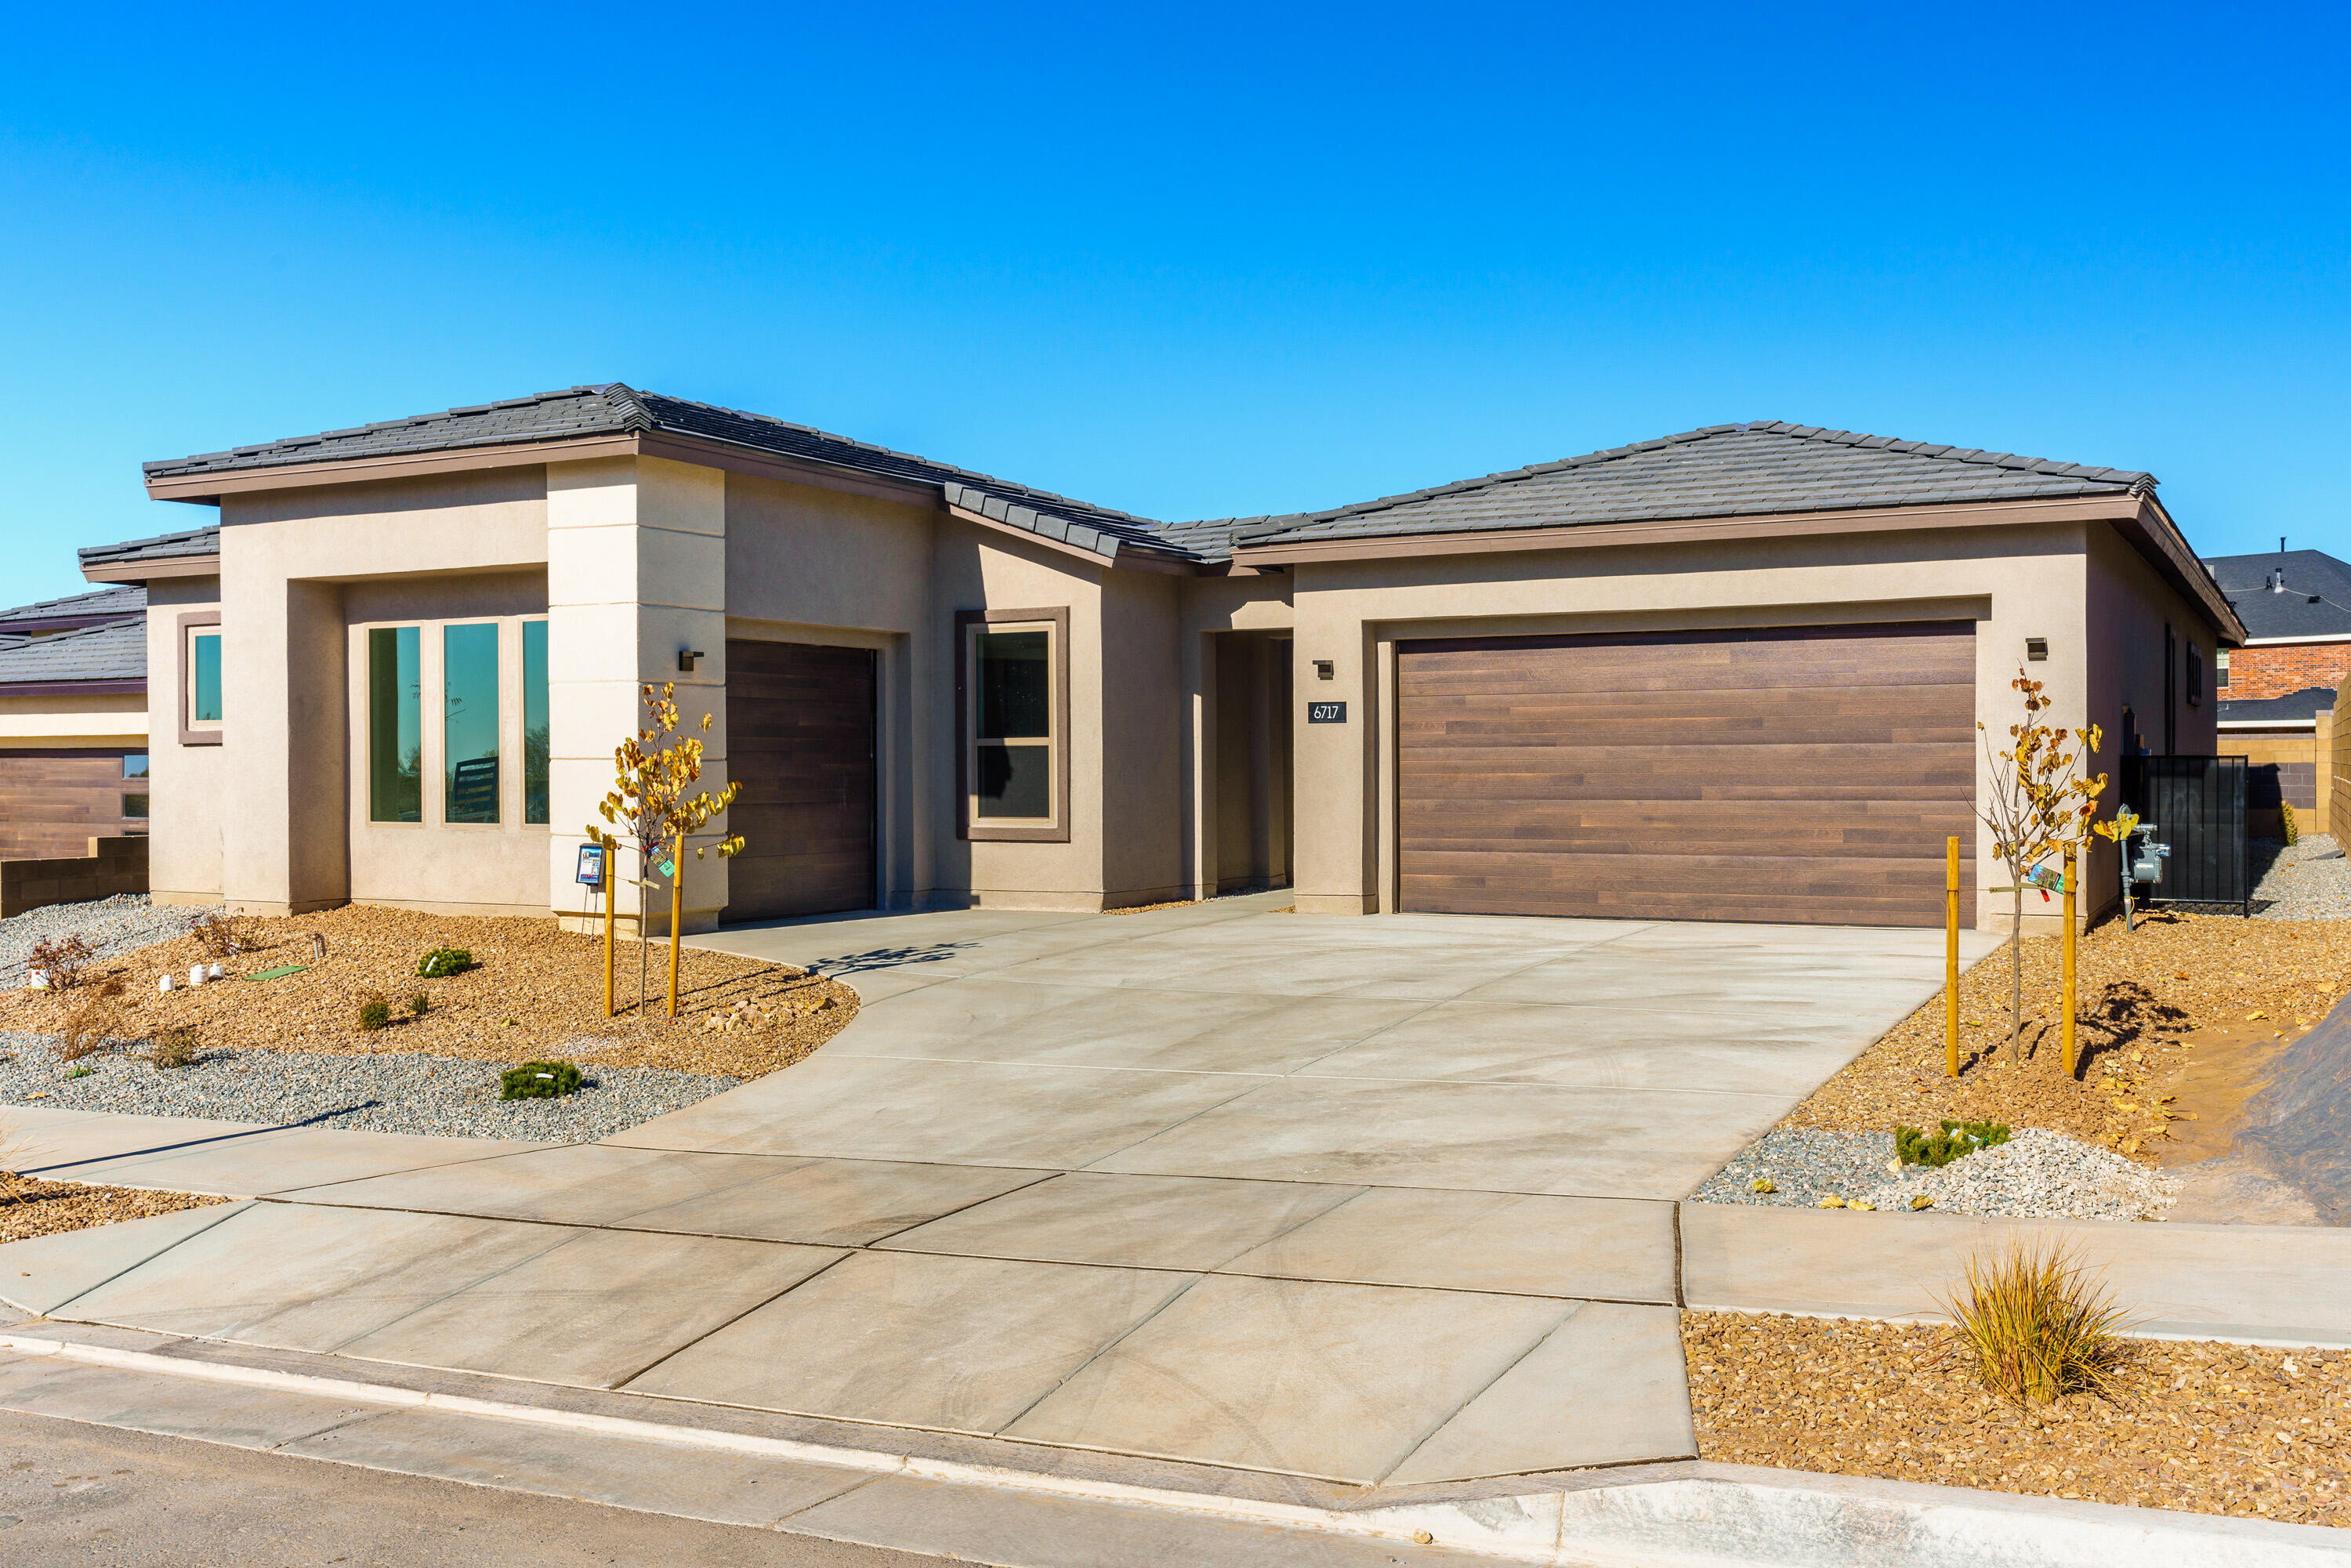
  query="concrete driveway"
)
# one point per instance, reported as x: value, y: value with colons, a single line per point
x: 1376, y: 1201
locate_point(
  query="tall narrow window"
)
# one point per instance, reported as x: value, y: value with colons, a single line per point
x: 469, y: 735
x: 395, y: 726
x: 204, y: 678
x: 1014, y: 670
x: 533, y: 722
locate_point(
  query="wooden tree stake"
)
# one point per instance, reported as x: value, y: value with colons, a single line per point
x: 1951, y: 959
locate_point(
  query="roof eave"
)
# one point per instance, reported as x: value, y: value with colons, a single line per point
x: 151, y: 569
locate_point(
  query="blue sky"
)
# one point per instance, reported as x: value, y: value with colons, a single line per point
x: 1188, y: 261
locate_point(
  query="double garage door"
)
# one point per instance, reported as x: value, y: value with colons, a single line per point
x: 1799, y: 774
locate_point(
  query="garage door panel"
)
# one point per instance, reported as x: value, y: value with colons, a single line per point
x: 1864, y: 891
x: 800, y: 741
x: 1812, y: 658
x: 1663, y: 773
x: 1787, y: 774
x: 1687, y: 827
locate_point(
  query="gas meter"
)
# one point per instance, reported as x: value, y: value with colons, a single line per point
x: 2142, y: 867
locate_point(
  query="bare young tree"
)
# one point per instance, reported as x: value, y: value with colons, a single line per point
x: 2041, y: 801
x: 657, y: 801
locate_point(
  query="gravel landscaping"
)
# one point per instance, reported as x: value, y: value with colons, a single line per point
x: 51, y: 1207
x: 2307, y: 879
x: 112, y: 926
x: 531, y: 991
x: 2200, y: 1427
x: 2036, y: 1175
x: 391, y: 1093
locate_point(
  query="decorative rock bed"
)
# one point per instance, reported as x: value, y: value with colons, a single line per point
x: 2035, y: 1174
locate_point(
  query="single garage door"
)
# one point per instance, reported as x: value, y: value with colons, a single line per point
x: 799, y: 738
x: 1804, y: 774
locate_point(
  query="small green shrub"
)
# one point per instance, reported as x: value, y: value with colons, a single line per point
x: 444, y: 961
x: 538, y: 1080
x: 375, y: 1012
x: 1956, y: 1141
x: 174, y: 1048
x: 419, y: 1005
x: 2287, y: 826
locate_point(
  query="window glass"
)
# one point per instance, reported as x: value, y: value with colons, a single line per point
x: 534, y: 721
x: 1016, y: 686
x: 469, y: 688
x: 134, y: 765
x: 395, y: 726
x: 204, y: 678
x: 135, y: 806
x: 1012, y: 757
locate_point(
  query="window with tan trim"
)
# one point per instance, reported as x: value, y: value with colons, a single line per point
x: 200, y: 673
x: 1012, y: 678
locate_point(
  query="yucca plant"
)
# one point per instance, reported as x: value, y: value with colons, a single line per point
x: 2038, y: 1326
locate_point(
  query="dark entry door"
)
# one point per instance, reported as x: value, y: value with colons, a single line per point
x: 799, y: 738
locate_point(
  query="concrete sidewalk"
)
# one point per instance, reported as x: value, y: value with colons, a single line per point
x: 1358, y: 1201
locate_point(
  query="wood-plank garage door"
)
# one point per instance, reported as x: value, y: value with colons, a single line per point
x: 800, y: 738
x: 1808, y: 773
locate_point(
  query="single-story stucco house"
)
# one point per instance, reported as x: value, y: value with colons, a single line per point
x: 1733, y: 674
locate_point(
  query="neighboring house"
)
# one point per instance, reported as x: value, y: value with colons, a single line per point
x: 2277, y: 692
x: 73, y: 722
x: 1731, y: 674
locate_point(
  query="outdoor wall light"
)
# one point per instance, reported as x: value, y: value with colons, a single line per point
x: 1323, y: 672
x: 2035, y: 648
x: 685, y: 660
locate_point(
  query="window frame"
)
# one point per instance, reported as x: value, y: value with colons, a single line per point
x: 364, y: 725
x: 2195, y: 662
x: 192, y: 624
x: 1054, y: 621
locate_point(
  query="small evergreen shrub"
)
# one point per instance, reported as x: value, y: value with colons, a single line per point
x: 444, y: 961
x: 375, y: 1012
x: 1956, y: 1141
x: 419, y: 1005
x: 538, y: 1080
x: 2287, y: 826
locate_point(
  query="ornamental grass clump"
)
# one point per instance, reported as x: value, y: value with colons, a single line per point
x: 444, y: 961
x: 1915, y: 1146
x: 2037, y: 1327
x: 539, y: 1080
x: 375, y: 1012
x: 419, y: 1005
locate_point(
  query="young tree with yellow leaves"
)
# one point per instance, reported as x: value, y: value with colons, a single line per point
x: 2041, y: 801
x: 658, y: 802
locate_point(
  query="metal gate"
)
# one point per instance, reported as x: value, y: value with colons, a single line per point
x: 2197, y: 805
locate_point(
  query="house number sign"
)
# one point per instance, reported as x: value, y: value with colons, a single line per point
x: 1326, y: 712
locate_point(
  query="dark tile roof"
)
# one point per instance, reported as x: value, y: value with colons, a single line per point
x: 2308, y: 703
x: 613, y: 409
x: 111, y: 652
x: 1724, y: 470
x: 2314, y: 602
x: 162, y: 546
x: 118, y: 602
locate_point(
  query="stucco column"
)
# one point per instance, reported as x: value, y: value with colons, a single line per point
x: 284, y: 846
x: 636, y: 570
x: 1337, y: 763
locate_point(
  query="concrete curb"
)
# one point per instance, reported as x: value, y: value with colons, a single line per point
x: 1684, y: 1514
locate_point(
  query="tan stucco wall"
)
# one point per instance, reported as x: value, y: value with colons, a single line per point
x: 636, y: 553
x: 1213, y: 608
x: 102, y: 719
x: 288, y: 558
x: 187, y: 796
x: 2012, y: 581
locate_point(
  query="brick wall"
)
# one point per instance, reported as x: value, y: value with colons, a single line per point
x: 2281, y: 671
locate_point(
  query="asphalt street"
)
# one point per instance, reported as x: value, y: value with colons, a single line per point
x: 72, y: 1494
